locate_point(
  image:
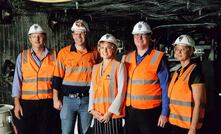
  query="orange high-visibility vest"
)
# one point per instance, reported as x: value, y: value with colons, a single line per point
x: 37, y: 81
x: 74, y: 67
x: 105, y: 88
x: 144, y: 91
x: 181, y: 100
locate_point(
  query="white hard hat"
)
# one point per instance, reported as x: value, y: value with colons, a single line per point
x: 184, y: 40
x: 108, y: 38
x: 35, y: 28
x: 141, y: 28
x: 80, y: 26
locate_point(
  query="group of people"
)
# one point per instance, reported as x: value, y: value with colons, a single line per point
x: 132, y: 96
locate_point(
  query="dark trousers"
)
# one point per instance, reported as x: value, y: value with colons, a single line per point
x: 39, y: 117
x: 179, y: 130
x: 139, y: 121
x: 114, y: 126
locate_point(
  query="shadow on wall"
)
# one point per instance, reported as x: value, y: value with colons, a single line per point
x: 6, y: 79
x: 8, y: 68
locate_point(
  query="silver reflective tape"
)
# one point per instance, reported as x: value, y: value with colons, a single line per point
x: 179, y: 117
x: 25, y: 56
x: 75, y: 83
x: 78, y: 69
x: 59, y: 64
x: 144, y: 97
x: 112, y: 79
x: 144, y: 81
x: 44, y: 79
x: 181, y: 103
x: 189, y: 72
x: 42, y: 91
x: 97, y: 100
x: 155, y: 57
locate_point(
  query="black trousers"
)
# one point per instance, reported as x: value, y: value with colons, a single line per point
x: 179, y: 130
x: 39, y: 117
x: 139, y: 121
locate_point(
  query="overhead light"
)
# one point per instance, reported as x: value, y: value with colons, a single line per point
x: 51, y: 1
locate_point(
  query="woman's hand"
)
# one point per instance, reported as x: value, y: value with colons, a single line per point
x: 106, y: 117
x: 97, y: 115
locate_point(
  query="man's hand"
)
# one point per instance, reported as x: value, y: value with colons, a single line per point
x: 57, y: 104
x: 162, y: 121
x: 192, y: 131
x: 18, y: 109
x: 56, y: 101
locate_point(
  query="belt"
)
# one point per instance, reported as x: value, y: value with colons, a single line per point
x: 78, y: 95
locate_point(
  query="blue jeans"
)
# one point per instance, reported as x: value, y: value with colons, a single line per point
x: 73, y: 107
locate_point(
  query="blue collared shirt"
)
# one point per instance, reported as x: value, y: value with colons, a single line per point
x: 17, y: 81
x: 163, y: 75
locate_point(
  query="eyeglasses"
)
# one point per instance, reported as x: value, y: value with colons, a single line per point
x: 140, y: 35
x: 182, y: 50
x: 79, y: 33
x: 107, y: 47
x: 37, y: 36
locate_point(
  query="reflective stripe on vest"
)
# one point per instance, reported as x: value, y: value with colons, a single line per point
x: 36, y: 80
x: 78, y: 69
x: 75, y: 83
x: 181, y: 101
x: 42, y: 91
x: 143, y: 97
x: 59, y: 64
x: 155, y: 57
x: 144, y: 81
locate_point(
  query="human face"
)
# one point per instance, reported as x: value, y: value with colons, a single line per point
x: 183, y: 52
x: 106, y: 50
x: 79, y: 38
x: 141, y: 41
x: 37, y: 40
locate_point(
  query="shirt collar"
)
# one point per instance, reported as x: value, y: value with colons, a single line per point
x: 147, y: 52
x: 46, y: 51
x: 185, y: 68
x: 73, y: 48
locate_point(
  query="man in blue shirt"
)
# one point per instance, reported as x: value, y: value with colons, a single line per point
x: 32, y: 91
x: 147, y: 101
